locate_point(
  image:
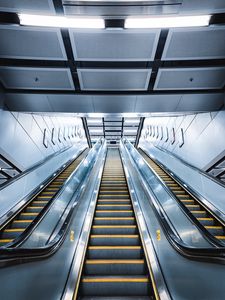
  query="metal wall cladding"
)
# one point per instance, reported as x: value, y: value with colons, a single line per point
x: 114, y: 45
x: 36, y: 78
x: 114, y: 79
x: 195, y: 43
x: 114, y: 104
x: 190, y: 78
x: 27, y: 6
x: 31, y: 43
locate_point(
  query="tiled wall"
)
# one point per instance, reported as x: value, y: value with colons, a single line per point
x: 21, y: 136
x: 204, y: 139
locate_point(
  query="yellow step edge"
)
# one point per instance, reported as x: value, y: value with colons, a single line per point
x: 186, y: 200
x: 114, y: 218
x: 116, y: 211
x: 40, y: 197
x: 6, y: 240
x: 114, y: 226
x: 41, y: 202
x: 112, y: 205
x: 29, y: 214
x: 220, y: 237
x: 205, y: 219
x: 35, y: 207
x: 22, y: 221
x: 116, y: 279
x: 213, y: 227
x: 192, y: 205
x: 114, y: 200
x: 114, y: 247
x: 127, y: 236
x: 114, y: 261
x: 198, y: 211
x: 14, y: 230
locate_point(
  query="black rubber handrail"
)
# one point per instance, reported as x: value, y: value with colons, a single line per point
x: 215, y: 242
x: 7, y: 217
x: 12, y: 256
x: 204, y: 173
x: 201, y: 254
x: 27, y: 232
x: 32, y: 168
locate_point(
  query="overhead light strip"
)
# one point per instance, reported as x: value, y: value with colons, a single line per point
x: 168, y: 22
x: 61, y: 22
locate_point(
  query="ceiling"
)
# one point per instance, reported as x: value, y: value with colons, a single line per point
x: 112, y: 70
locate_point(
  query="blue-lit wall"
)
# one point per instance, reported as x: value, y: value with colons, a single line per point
x: 204, y: 140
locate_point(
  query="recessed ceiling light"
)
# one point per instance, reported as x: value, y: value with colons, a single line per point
x: 61, y: 22
x: 167, y: 22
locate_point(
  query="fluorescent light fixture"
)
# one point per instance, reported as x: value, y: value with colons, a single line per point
x: 95, y: 115
x: 168, y: 22
x: 90, y: 121
x: 96, y: 130
x: 62, y: 22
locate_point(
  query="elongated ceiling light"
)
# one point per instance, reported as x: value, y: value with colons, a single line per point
x: 168, y: 22
x: 61, y: 22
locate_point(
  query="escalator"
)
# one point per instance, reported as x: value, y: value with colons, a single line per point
x: 114, y: 266
x: 191, y: 204
x: 29, y: 214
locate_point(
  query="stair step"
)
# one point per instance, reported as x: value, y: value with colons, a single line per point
x: 115, y: 286
x: 119, y: 252
x: 114, y: 267
x: 114, y: 213
x: 114, y: 221
x: 114, y: 240
x: 114, y: 229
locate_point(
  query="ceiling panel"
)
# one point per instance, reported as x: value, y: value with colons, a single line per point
x: 195, y: 43
x: 36, y: 78
x: 114, y: 79
x: 31, y: 43
x: 190, y: 79
x: 27, y: 6
x: 114, y: 104
x: 114, y: 45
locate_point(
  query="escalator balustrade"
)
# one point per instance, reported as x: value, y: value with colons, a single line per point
x: 114, y: 264
x: 210, y: 223
x: 26, y: 217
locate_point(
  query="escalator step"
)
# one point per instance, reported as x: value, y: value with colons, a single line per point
x: 103, y: 252
x: 114, y: 240
x: 206, y: 221
x: 21, y: 223
x: 114, y: 213
x: 114, y: 267
x: 114, y: 221
x: 114, y: 229
x: 114, y: 206
x: 12, y: 233
x: 115, y: 286
x: 28, y: 216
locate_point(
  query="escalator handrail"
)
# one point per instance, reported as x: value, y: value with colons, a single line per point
x: 202, y: 254
x: 210, y: 238
x: 8, y: 216
x: 28, y: 231
x: 202, y: 172
x: 33, y: 167
x: 18, y: 255
x: 197, y: 196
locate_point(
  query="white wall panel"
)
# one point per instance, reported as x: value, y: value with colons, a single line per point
x: 203, y: 136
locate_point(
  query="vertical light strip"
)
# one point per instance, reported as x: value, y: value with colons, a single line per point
x: 168, y: 22
x: 61, y: 22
